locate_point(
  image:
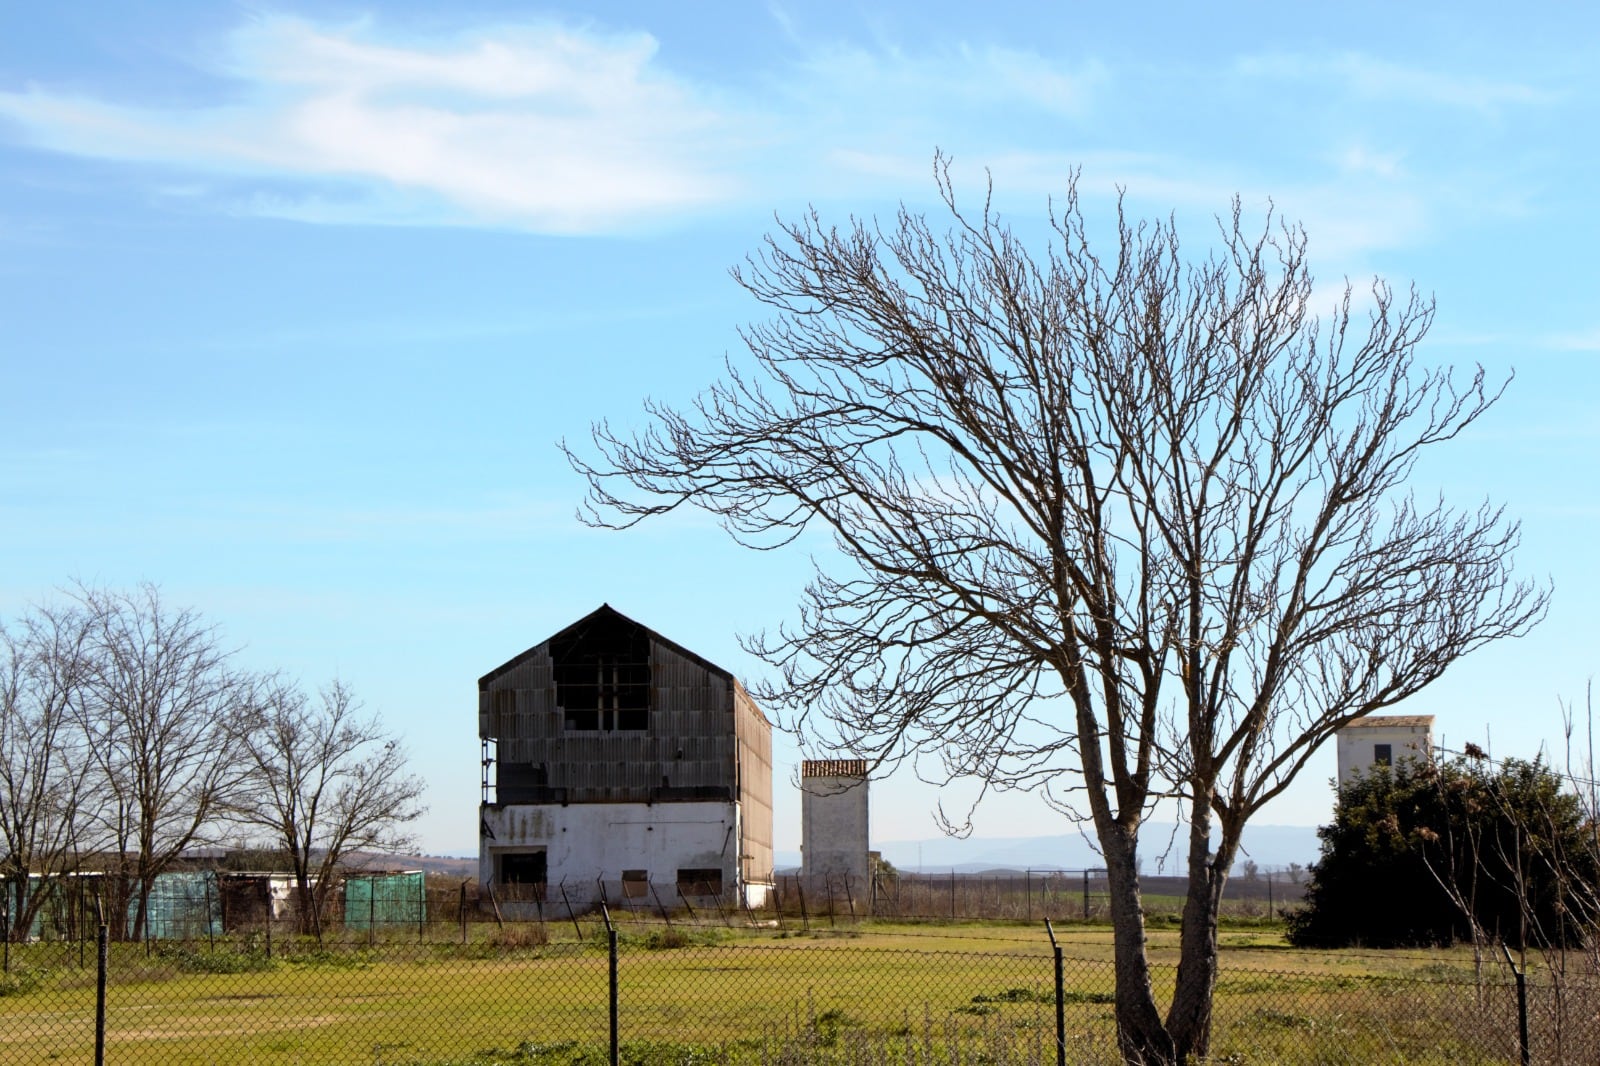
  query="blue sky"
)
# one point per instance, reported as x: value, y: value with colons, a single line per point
x: 297, y: 300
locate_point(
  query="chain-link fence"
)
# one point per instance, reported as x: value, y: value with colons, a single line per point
x: 715, y: 985
x: 1026, y: 895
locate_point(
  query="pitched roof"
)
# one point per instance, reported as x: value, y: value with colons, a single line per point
x: 1391, y: 721
x: 608, y: 613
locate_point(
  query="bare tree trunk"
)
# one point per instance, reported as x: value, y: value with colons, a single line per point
x: 1141, y: 1036
x: 306, y: 905
x: 1189, y: 1019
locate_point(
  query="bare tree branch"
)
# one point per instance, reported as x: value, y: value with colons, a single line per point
x: 1116, y: 523
x: 323, y: 781
x: 43, y: 763
x: 156, y: 699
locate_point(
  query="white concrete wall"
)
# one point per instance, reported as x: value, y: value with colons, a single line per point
x: 834, y: 833
x: 588, y: 842
x: 1356, y: 744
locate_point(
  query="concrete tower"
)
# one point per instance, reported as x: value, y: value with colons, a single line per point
x: 833, y: 828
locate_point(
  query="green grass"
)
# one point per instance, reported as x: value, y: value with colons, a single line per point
x: 969, y: 993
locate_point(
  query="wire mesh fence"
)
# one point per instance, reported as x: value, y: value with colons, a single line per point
x: 1025, y: 895
x: 718, y: 985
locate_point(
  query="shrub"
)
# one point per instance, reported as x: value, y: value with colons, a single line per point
x: 1423, y: 854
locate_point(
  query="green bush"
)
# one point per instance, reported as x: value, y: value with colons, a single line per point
x: 1412, y: 848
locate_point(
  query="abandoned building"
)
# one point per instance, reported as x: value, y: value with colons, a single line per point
x: 617, y: 764
x: 1382, y: 740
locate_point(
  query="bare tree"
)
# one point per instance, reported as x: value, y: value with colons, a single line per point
x: 155, y: 705
x: 42, y: 759
x: 324, y: 780
x: 1123, y: 528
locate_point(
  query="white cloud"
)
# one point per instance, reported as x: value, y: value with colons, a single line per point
x: 557, y: 129
x: 548, y: 129
x: 541, y: 126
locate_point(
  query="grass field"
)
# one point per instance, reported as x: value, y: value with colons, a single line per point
x: 966, y: 993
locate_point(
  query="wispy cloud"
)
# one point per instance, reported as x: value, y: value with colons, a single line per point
x: 543, y: 127
x: 561, y: 129
x: 1378, y: 79
x: 540, y: 126
x: 1580, y: 341
x: 962, y: 78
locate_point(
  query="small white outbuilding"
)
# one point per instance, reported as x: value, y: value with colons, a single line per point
x: 1382, y: 741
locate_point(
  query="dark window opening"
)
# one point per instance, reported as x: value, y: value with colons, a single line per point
x: 635, y: 883
x: 1382, y: 755
x: 524, y: 868
x: 602, y: 673
x: 578, y: 718
x: 522, y: 782
x: 705, y: 881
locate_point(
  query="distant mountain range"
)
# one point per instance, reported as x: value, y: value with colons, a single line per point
x: 1270, y: 847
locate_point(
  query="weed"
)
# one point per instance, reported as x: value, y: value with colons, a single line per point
x: 20, y: 980
x: 187, y: 960
x: 518, y: 936
x: 1241, y: 986
x: 1284, y: 1020
x: 1017, y: 995
x: 322, y: 959
x: 825, y: 1027
x: 666, y: 939
x: 1444, y: 971
x: 672, y: 938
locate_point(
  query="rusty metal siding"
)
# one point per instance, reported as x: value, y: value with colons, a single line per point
x: 754, y: 735
x: 689, y: 743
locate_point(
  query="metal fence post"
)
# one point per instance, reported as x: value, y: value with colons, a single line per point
x: 1061, y: 997
x: 102, y: 961
x: 576, y: 929
x: 659, y: 905
x: 1524, y: 1048
x: 611, y: 942
x: 211, y: 929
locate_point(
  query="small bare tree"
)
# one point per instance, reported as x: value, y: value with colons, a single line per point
x: 324, y: 780
x: 155, y: 705
x: 1119, y: 526
x: 42, y: 759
